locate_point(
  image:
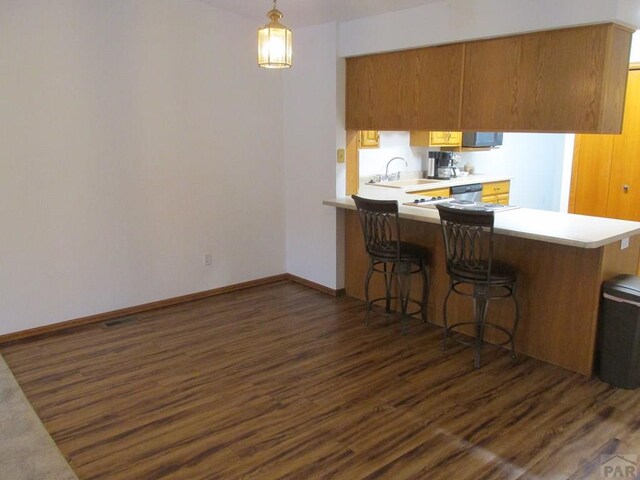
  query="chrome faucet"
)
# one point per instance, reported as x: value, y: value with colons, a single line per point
x: 397, y: 175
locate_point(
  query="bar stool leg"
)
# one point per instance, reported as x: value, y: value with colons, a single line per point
x: 366, y: 291
x: 444, y: 316
x: 425, y: 290
x: 515, y: 322
x: 480, y: 313
x: 388, y: 280
x: 404, y: 285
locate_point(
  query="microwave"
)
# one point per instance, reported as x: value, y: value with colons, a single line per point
x: 481, y: 139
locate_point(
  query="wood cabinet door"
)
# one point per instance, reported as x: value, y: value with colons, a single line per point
x: 624, y: 185
x: 368, y: 139
x: 568, y: 80
x: 496, y: 188
x: 435, y: 139
x: 445, y: 139
x: 502, y: 199
x: 418, y: 89
x: 439, y: 192
x: 591, y: 174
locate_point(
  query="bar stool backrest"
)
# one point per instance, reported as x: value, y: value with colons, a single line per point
x: 380, y: 227
x: 468, y: 243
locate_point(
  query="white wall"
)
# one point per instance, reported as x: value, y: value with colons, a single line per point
x: 311, y: 115
x: 373, y: 161
x: 132, y: 140
x: 450, y: 21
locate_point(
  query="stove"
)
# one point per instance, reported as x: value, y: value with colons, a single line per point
x: 427, y: 202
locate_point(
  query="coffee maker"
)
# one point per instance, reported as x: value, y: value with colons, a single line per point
x: 443, y: 166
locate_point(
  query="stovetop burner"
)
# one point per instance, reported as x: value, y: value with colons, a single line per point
x: 424, y: 200
x: 431, y: 202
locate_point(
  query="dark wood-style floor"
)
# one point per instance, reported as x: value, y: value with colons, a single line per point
x: 281, y: 381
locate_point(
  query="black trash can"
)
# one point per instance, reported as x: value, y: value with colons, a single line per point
x: 619, y: 332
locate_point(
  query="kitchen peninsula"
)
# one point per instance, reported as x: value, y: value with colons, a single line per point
x: 561, y: 259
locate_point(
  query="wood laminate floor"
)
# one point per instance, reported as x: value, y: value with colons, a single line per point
x: 281, y: 381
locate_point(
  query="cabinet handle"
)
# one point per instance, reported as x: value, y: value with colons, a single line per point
x: 625, y: 188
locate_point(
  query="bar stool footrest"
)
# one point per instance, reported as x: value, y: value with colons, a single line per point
x: 397, y: 299
x: 452, y: 328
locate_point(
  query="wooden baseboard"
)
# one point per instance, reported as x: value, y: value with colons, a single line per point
x: 315, y: 286
x: 123, y: 312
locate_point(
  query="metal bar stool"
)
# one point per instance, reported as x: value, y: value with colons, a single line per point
x: 391, y: 257
x: 468, y: 242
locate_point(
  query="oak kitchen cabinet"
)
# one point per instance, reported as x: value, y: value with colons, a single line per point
x: 368, y: 139
x: 606, y: 168
x: 435, y: 139
x: 406, y: 90
x: 566, y: 80
x: 496, y: 192
x: 437, y: 192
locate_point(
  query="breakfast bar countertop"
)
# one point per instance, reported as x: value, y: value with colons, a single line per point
x: 546, y: 226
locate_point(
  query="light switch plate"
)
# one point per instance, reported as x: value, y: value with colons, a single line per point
x: 341, y: 155
x: 624, y: 243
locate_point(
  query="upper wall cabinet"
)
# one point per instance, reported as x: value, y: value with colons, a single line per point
x: 408, y: 90
x: 569, y: 80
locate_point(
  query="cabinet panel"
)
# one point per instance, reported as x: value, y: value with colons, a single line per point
x: 502, y: 199
x: 439, y: 192
x: 624, y: 186
x: 368, y: 139
x: 496, y: 188
x: 603, y: 165
x: 568, y: 80
x: 435, y: 139
x: 591, y: 174
x: 409, y: 90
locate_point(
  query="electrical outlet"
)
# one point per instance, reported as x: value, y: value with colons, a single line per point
x: 207, y: 259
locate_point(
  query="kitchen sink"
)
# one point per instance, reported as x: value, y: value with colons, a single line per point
x: 406, y: 183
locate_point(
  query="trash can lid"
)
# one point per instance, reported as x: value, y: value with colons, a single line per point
x: 624, y: 287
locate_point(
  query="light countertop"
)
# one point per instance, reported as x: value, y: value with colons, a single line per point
x: 552, y: 227
x: 454, y: 182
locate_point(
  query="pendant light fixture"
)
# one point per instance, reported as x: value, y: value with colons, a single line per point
x: 274, y: 42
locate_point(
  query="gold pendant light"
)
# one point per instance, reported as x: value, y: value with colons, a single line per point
x: 274, y: 42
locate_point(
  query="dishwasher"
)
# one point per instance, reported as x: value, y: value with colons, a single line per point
x: 467, y: 193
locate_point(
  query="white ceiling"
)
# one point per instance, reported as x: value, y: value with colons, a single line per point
x: 299, y: 13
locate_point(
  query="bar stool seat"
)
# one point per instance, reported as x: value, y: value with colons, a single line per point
x: 409, y: 252
x: 468, y: 244
x: 393, y: 258
x: 500, y: 274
